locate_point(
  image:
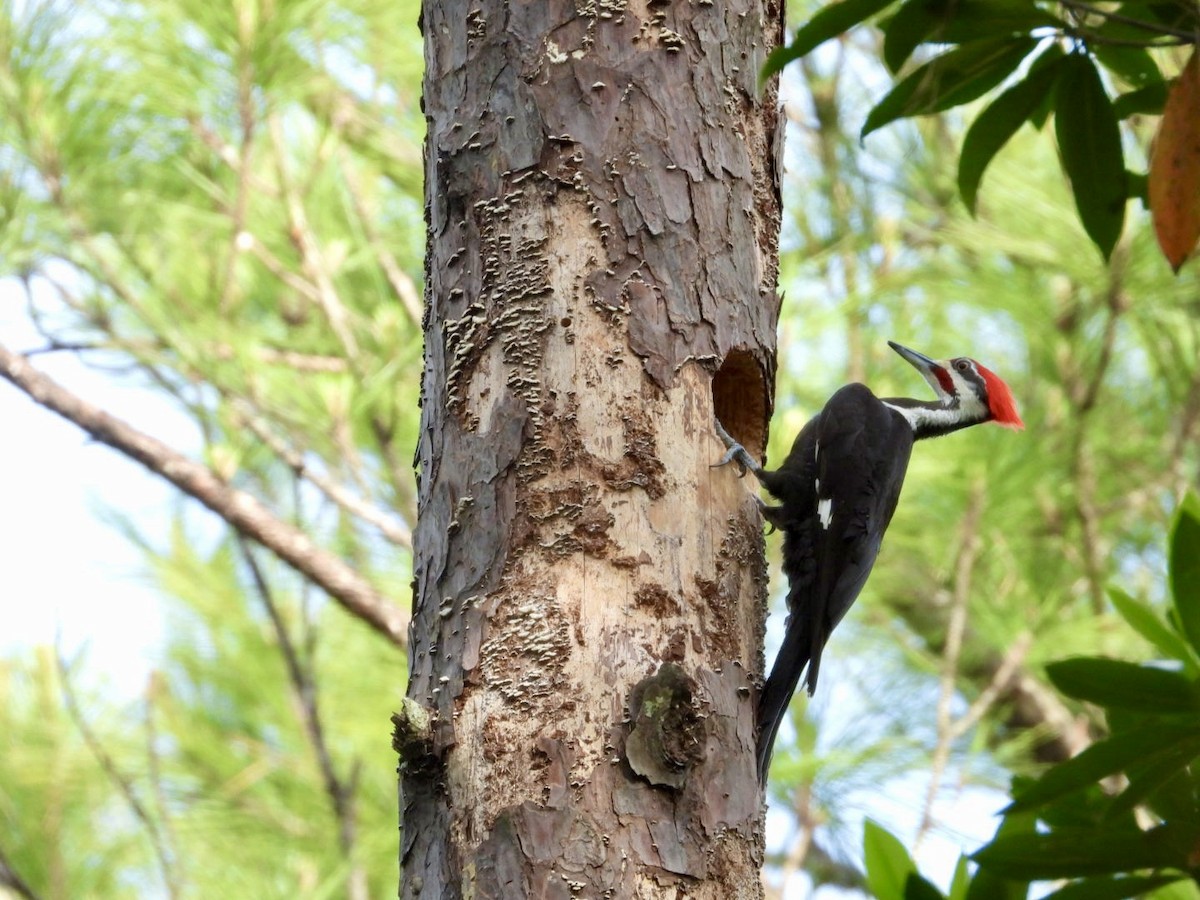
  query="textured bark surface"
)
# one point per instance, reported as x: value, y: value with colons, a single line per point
x: 603, y: 214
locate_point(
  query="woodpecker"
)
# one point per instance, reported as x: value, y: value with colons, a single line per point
x: 837, y: 491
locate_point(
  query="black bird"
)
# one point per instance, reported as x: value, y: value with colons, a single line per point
x: 837, y: 491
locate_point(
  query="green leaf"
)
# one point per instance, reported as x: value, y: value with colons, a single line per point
x: 909, y: 27
x: 1179, y: 890
x: 956, y: 22
x: 989, y: 885
x: 1139, y: 188
x: 961, y: 880
x: 1081, y: 852
x: 1111, y: 888
x: 1125, y: 685
x: 956, y: 77
x: 1148, y: 100
x: 1150, y: 775
x: 917, y: 887
x: 1184, y: 567
x: 979, y: 19
x: 1146, y: 622
x: 831, y: 21
x: 1133, y: 64
x: 887, y: 862
x: 1089, y: 142
x: 994, y: 126
x: 1175, y: 800
x: 1100, y: 760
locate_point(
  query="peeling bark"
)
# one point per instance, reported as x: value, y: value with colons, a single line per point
x: 603, y: 212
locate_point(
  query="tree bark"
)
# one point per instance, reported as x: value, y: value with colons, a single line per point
x: 603, y: 214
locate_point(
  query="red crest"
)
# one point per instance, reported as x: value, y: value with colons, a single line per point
x: 1000, y: 400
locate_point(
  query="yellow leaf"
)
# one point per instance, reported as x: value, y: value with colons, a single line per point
x: 1174, y: 180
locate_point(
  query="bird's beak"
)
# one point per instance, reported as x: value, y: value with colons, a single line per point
x: 930, y: 368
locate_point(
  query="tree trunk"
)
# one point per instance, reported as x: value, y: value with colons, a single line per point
x: 603, y: 212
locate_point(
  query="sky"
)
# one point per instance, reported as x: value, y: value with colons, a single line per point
x: 63, y: 569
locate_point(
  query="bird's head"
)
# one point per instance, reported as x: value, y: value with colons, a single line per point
x: 978, y: 393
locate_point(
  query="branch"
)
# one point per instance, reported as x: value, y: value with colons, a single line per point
x: 968, y: 553
x: 244, y: 512
x: 10, y: 879
x: 341, y: 792
x: 109, y: 766
x: 311, y: 257
x: 154, y: 770
x: 1079, y: 6
x: 402, y: 285
x: 335, y: 491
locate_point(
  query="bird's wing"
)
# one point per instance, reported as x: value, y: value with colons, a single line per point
x: 863, y: 452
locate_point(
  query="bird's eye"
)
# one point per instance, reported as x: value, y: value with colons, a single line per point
x: 961, y: 365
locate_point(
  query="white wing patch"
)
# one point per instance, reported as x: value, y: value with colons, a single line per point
x: 825, y: 512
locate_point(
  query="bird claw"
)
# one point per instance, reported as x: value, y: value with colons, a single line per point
x: 735, y: 452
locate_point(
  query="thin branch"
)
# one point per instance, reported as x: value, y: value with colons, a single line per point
x: 402, y: 285
x: 311, y: 257
x: 155, y: 773
x: 1009, y: 666
x: 341, y: 793
x: 10, y: 879
x: 241, y: 201
x: 964, y: 568
x: 352, y: 503
x: 244, y: 512
x: 1186, y: 36
x: 109, y: 766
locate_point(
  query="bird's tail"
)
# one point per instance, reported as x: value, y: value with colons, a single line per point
x: 780, y: 685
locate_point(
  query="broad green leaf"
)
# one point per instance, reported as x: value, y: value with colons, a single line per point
x: 979, y: 19
x: 994, y: 126
x: 1133, y: 64
x: 1180, y: 890
x: 1184, y: 567
x: 1146, y: 622
x: 1148, y: 100
x: 1111, y: 888
x: 1101, y: 760
x: 909, y: 27
x: 1139, y: 187
x: 1078, y: 853
x: 1148, y: 777
x: 1125, y: 685
x: 989, y: 885
x: 956, y: 77
x: 956, y: 22
x: 1176, y: 800
x: 917, y: 887
x: 887, y: 862
x: 1089, y: 142
x: 961, y: 880
x: 831, y: 21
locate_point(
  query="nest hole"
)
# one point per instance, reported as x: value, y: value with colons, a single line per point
x: 740, y: 400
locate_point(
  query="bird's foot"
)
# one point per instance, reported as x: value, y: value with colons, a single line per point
x: 735, y: 452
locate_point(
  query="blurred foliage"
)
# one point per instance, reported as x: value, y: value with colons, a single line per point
x: 1004, y: 546
x: 1090, y: 64
x: 222, y: 202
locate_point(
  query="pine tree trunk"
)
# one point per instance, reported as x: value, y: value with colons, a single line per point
x: 603, y: 212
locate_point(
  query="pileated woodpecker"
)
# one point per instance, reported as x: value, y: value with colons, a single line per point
x: 837, y: 491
